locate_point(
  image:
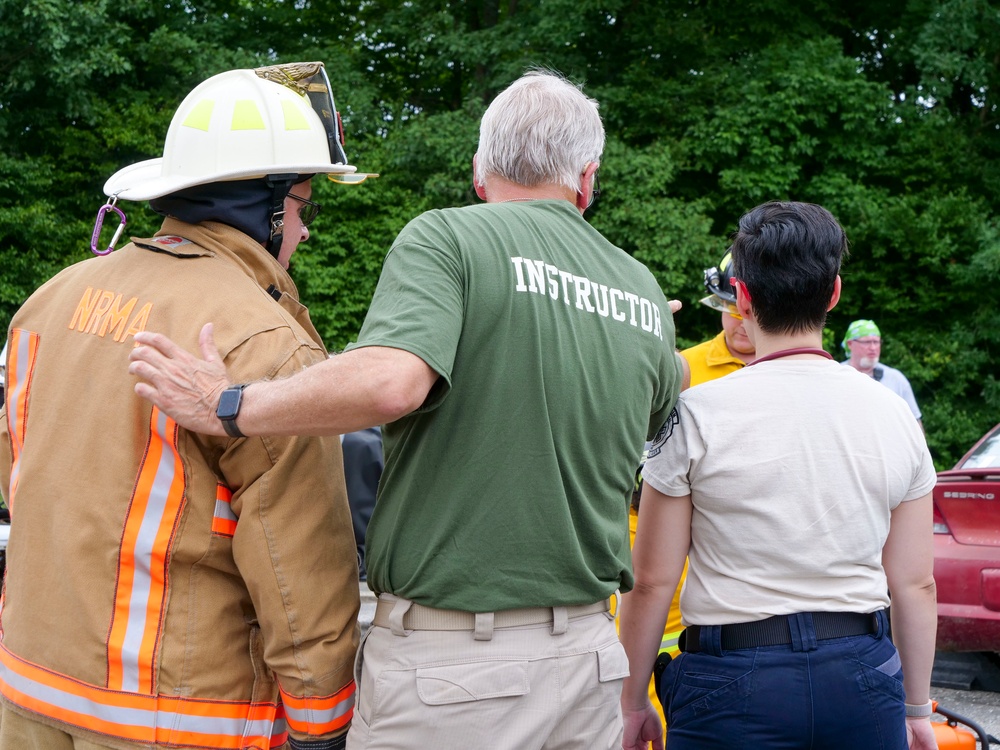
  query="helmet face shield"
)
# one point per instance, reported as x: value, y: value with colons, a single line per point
x: 717, y: 303
x: 310, y: 80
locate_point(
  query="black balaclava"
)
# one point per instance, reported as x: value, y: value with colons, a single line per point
x: 254, y: 207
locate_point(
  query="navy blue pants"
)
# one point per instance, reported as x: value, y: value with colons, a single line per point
x: 832, y: 694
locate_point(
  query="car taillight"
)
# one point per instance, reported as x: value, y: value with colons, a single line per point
x: 940, y: 527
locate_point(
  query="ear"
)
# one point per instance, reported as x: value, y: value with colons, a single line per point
x: 586, y: 185
x: 743, y: 305
x: 478, y: 186
x: 835, y: 297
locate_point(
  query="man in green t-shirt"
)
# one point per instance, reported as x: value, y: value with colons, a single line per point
x: 517, y: 360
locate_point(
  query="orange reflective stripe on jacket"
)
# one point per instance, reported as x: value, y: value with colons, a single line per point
x: 224, y: 520
x: 151, y: 719
x: 23, y: 350
x: 319, y: 715
x: 142, y: 562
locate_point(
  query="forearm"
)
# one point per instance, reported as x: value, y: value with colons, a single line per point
x: 351, y: 391
x: 362, y: 388
x: 662, y: 540
x: 914, y: 631
x: 685, y: 372
x: 908, y: 559
x: 644, y: 614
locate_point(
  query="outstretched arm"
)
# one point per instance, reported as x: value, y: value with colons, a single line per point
x: 360, y: 388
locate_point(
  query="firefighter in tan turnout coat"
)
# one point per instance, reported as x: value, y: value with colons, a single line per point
x: 166, y: 589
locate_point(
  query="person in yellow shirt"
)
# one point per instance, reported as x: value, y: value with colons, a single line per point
x: 727, y: 352
x: 730, y: 350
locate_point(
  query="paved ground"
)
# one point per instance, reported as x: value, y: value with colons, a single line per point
x: 980, y: 706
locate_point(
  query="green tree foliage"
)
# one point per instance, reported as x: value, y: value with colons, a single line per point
x: 886, y: 113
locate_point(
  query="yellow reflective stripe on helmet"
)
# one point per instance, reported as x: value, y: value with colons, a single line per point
x: 295, y: 118
x: 246, y: 116
x: 200, y: 115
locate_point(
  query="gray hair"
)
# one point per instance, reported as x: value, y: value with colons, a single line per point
x: 540, y: 129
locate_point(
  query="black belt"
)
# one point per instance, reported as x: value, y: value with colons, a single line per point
x: 774, y: 631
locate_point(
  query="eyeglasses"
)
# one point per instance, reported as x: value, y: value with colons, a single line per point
x: 595, y: 193
x: 868, y: 342
x: 309, y: 211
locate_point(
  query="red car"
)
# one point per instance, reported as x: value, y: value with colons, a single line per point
x: 967, y: 549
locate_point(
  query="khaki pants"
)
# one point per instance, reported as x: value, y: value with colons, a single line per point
x: 18, y: 732
x: 554, y: 685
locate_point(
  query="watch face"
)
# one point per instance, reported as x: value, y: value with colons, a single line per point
x: 229, y: 403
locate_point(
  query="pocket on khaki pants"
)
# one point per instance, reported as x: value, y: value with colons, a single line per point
x: 461, y: 683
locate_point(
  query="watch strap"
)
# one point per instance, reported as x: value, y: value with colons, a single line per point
x: 920, y: 711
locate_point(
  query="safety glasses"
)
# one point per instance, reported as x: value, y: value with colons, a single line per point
x: 309, y: 210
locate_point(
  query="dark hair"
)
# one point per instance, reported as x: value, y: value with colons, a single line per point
x: 788, y: 255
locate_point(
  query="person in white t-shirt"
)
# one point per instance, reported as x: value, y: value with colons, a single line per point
x: 800, y: 492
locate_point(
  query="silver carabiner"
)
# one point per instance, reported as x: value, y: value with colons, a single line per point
x: 99, y: 225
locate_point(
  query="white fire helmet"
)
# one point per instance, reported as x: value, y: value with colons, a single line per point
x: 245, y: 124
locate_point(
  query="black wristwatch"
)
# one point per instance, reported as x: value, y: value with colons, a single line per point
x: 229, y: 408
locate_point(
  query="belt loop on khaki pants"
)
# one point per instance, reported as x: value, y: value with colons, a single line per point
x: 560, y: 620
x: 399, y: 610
x: 484, y: 626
